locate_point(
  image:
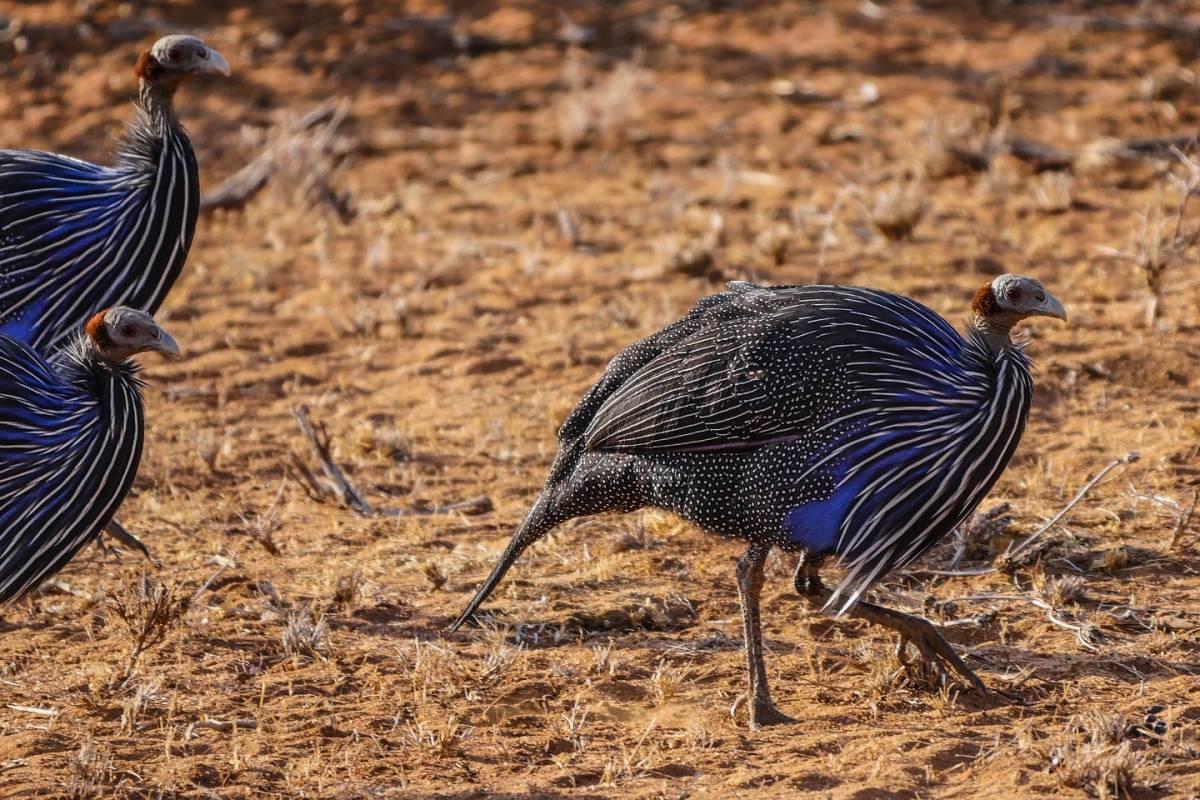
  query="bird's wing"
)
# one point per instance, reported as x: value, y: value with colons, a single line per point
x: 62, y: 221
x: 772, y: 366
x: 52, y: 449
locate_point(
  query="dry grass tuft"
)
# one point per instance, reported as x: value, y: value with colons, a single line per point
x: 305, y: 636
x: 1096, y: 757
x: 599, y: 109
x: 92, y: 774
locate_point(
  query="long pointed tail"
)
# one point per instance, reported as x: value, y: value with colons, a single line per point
x: 538, y: 522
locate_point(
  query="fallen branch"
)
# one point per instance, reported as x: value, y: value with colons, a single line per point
x: 1169, y: 27
x: 227, y: 726
x: 340, y: 488
x: 241, y: 187
x: 35, y: 710
x: 1048, y: 158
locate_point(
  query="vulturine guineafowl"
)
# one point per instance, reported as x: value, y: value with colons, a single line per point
x: 827, y: 420
x: 71, y: 434
x: 76, y: 236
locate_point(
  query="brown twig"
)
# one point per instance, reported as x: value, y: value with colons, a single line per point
x: 1007, y: 559
x: 338, y: 486
x: 241, y: 187
x: 1010, y: 554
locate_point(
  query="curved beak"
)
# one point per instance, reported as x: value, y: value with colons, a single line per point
x: 164, y: 343
x: 215, y: 63
x: 1050, y: 307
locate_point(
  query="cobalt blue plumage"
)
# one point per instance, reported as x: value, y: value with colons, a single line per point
x: 70, y: 442
x: 76, y: 237
x: 828, y: 420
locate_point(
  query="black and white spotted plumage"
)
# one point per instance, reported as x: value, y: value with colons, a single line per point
x: 70, y: 442
x: 830, y: 420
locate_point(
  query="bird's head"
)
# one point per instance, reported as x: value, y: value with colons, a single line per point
x: 1008, y: 299
x: 173, y: 58
x: 120, y: 332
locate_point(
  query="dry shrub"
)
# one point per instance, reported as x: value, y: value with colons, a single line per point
x: 1052, y: 192
x: 1096, y: 757
x: 306, y: 635
x: 91, y: 772
x: 149, y: 611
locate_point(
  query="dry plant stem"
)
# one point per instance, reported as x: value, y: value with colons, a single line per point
x: 241, y: 187
x: 1184, y: 518
x: 1011, y: 553
x: 1128, y: 458
x: 340, y: 488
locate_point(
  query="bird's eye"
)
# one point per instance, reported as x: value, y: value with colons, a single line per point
x: 128, y: 331
x: 1015, y: 293
x: 174, y: 54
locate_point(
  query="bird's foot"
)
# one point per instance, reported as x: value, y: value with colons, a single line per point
x: 763, y: 712
x: 118, y: 532
x: 933, y: 648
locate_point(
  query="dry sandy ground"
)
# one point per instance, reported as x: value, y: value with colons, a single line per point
x: 293, y: 648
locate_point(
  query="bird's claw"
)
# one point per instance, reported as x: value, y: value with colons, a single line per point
x: 763, y: 712
x: 937, y: 653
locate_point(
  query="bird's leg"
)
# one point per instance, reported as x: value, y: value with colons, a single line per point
x: 920, y: 632
x: 118, y: 532
x: 750, y: 582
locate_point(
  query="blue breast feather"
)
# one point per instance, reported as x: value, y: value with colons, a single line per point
x: 915, y: 380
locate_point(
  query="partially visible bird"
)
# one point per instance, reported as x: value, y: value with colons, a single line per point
x: 71, y: 439
x: 76, y: 236
x: 827, y: 420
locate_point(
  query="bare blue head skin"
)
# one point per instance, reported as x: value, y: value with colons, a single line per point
x: 120, y: 332
x: 1007, y: 300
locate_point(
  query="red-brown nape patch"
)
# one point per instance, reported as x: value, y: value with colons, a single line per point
x: 147, y: 67
x: 97, y: 331
x: 985, y: 303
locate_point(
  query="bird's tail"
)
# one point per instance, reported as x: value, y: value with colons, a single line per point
x: 538, y: 522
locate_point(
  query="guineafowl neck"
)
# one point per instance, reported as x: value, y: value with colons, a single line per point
x: 994, y: 333
x: 159, y: 105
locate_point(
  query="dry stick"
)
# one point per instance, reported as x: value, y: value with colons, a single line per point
x: 1011, y: 552
x: 1128, y: 458
x: 346, y: 492
x: 1162, y: 26
x: 1048, y: 158
x: 239, y: 188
